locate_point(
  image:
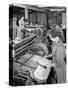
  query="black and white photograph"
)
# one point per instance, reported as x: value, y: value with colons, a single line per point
x: 37, y: 45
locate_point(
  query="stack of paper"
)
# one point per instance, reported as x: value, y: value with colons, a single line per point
x: 41, y: 73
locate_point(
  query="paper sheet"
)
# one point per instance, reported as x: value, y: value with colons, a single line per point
x: 41, y: 73
x: 40, y: 60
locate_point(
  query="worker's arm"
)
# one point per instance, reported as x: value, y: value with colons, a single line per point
x: 50, y: 55
x: 51, y: 65
x: 47, y: 65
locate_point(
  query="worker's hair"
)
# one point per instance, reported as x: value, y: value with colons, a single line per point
x: 56, y: 33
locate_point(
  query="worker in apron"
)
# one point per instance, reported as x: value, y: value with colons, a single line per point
x: 58, y: 54
x: 20, y: 26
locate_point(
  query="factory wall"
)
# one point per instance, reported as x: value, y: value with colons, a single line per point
x: 52, y: 19
x: 58, y: 18
x: 38, y: 18
x: 32, y: 17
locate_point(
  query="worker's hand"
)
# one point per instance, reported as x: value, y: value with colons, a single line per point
x: 42, y: 66
x: 51, y: 65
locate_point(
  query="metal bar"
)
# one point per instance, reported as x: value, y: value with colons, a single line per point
x: 26, y: 65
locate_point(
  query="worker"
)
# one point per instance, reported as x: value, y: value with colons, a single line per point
x: 21, y: 22
x: 59, y: 29
x: 20, y: 27
x: 58, y: 54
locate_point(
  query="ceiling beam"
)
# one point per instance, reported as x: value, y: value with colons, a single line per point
x: 29, y: 7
